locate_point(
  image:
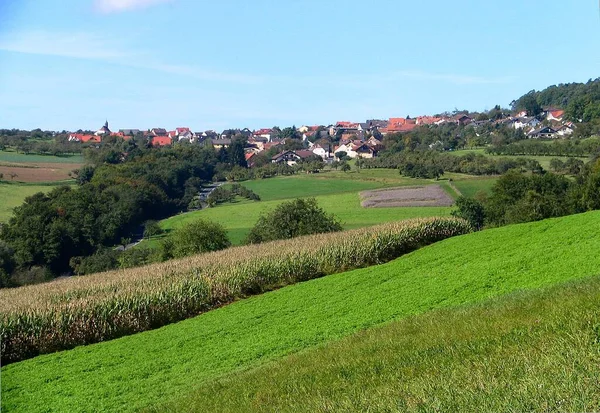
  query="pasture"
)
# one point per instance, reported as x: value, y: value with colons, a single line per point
x: 238, y: 219
x: 214, y: 350
x: 8, y: 156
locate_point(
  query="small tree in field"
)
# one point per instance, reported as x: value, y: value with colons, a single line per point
x: 292, y: 219
x: 195, y: 238
x: 345, y: 167
x: 470, y: 210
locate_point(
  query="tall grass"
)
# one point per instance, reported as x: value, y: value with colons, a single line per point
x: 81, y: 310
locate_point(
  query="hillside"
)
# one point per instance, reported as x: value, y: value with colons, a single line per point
x: 527, y: 351
x: 150, y: 368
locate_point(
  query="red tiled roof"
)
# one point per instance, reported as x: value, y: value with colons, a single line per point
x: 161, y: 141
x: 427, y: 120
x: 557, y: 113
x: 80, y: 137
x: 182, y: 130
x: 249, y: 155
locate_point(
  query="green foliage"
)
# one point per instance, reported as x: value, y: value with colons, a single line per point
x: 105, y: 259
x: 517, y: 197
x: 197, y: 237
x: 470, y: 210
x: 293, y: 219
x: 152, y: 228
x: 555, y: 148
x: 221, y: 195
x: 215, y: 354
x: 432, y: 164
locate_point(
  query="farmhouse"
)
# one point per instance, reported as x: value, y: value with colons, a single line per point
x: 542, y: 133
x: 291, y: 157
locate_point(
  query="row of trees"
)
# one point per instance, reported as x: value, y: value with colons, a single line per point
x: 587, y: 147
x: 432, y: 164
x: 288, y: 220
x: 520, y: 197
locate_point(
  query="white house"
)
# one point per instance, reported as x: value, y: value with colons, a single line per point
x: 320, y: 151
x: 523, y: 122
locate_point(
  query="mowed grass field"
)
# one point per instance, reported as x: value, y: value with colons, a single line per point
x: 15, y: 157
x: 337, y: 193
x: 13, y: 195
x: 470, y: 187
x: 212, y: 351
x: 527, y: 351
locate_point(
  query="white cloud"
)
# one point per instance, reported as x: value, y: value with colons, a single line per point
x: 115, y: 6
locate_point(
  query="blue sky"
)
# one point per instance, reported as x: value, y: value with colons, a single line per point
x: 70, y: 64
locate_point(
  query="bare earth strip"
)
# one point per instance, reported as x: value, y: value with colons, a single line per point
x: 412, y: 196
x: 37, y: 172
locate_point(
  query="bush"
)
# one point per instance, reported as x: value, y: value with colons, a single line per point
x: 194, y: 238
x: 470, y: 210
x: 292, y: 219
x: 152, y: 228
x: 105, y: 259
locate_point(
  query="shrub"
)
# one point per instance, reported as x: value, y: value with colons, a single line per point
x: 197, y: 237
x: 470, y: 210
x: 292, y: 219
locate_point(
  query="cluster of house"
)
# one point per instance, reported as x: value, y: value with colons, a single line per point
x: 556, y: 126
x: 354, y: 139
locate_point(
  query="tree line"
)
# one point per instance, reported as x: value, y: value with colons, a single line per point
x: 523, y: 197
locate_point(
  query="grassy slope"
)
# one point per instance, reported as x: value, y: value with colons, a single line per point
x: 146, y: 369
x: 10, y: 156
x: 13, y: 195
x: 528, y: 351
x: 470, y: 187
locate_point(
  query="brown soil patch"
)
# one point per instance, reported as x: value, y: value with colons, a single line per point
x: 411, y: 196
x: 37, y: 172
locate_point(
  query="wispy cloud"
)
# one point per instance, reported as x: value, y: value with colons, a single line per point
x: 116, y: 6
x: 90, y: 46
x: 77, y: 45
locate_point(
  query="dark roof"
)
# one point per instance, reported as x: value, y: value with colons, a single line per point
x: 545, y: 129
x: 221, y: 141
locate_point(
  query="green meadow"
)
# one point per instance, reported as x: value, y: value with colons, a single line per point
x: 336, y: 192
x: 16, y: 157
x: 195, y: 364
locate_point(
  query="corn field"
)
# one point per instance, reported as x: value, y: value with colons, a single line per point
x: 75, y: 311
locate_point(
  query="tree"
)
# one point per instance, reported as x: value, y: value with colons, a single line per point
x: 344, y: 166
x: 292, y: 219
x: 470, y: 210
x: 198, y: 237
x: 341, y: 155
x: 530, y: 104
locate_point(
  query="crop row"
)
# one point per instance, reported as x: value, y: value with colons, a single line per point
x: 82, y: 310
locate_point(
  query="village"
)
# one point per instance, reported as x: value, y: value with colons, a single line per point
x: 342, y: 139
